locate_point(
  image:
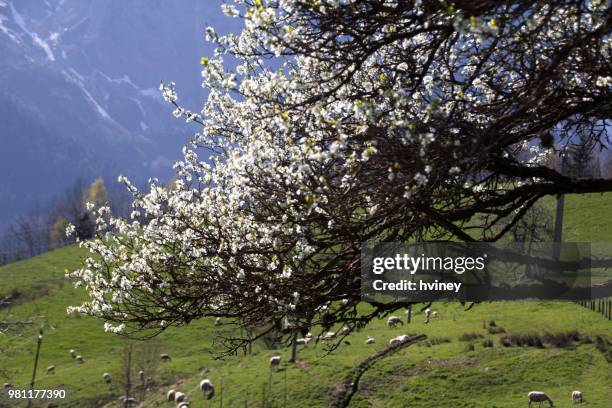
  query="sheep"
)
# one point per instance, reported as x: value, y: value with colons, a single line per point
x: 7, y: 386
x: 180, y: 397
x: 308, y: 335
x: 427, y: 314
x: 165, y: 357
x: 393, y: 321
x: 79, y: 359
x: 106, y: 377
x: 328, y: 336
x: 434, y: 314
x: 141, y: 375
x: 171, y: 394
x: 72, y: 353
x: 207, y: 388
x: 539, y: 397
x: 51, y: 369
x: 346, y: 330
x: 577, y: 397
x: 183, y: 404
x: 370, y: 340
x: 302, y: 341
x: 399, y: 339
x: 218, y: 321
x: 131, y: 401
x: 275, y: 361
x: 128, y: 401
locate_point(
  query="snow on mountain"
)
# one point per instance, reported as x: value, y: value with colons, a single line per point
x: 79, y: 90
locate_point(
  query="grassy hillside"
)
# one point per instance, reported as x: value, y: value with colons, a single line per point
x: 442, y: 372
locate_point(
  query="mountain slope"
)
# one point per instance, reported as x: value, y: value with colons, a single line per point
x: 79, y: 90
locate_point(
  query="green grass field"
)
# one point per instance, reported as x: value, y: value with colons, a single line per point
x: 453, y: 373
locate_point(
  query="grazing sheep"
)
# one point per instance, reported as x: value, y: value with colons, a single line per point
x: 577, y: 397
x: 218, y: 321
x: 346, y: 330
x: 7, y: 386
x: 434, y: 314
x: 207, y: 388
x: 180, y: 397
x: 308, y: 335
x: 72, y: 353
x: 302, y: 341
x: 328, y: 336
x: 393, y: 321
x: 171, y: 394
x: 131, y: 401
x: 183, y: 404
x: 165, y: 357
x: 141, y: 375
x: 51, y: 369
x: 106, y: 377
x: 539, y: 397
x: 275, y: 361
x: 79, y: 359
x: 399, y: 339
x: 427, y: 314
x: 370, y: 340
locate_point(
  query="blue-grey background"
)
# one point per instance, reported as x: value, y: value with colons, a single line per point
x: 79, y: 91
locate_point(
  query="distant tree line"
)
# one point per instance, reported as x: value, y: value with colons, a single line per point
x: 582, y: 158
x: 43, y: 227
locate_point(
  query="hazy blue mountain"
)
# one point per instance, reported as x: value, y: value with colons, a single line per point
x: 79, y: 90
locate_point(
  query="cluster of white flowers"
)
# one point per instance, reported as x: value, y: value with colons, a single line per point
x: 288, y: 142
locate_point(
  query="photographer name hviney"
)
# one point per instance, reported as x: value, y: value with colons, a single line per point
x: 407, y: 285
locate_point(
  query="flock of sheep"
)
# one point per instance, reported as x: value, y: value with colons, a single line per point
x: 208, y: 389
x: 206, y: 386
x: 540, y: 397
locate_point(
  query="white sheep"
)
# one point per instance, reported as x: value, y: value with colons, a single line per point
x: 72, y: 353
x: 308, y: 335
x: 51, y: 369
x: 179, y: 397
x: 539, y: 397
x: 207, y: 388
x: 370, y: 340
x: 434, y: 314
x: 577, y: 397
x: 328, y: 335
x: 427, y: 314
x: 218, y: 321
x: 131, y: 401
x: 7, y: 386
x: 302, y: 341
x: 171, y: 394
x: 165, y: 357
x: 393, y: 321
x: 183, y: 404
x: 275, y: 361
x: 399, y: 339
x: 128, y: 401
x: 79, y: 359
x: 346, y: 330
x: 106, y: 377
